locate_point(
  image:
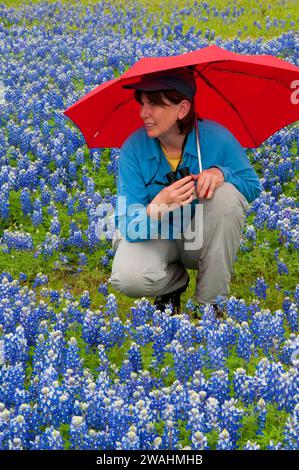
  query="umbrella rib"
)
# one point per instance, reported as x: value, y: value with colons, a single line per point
x: 111, y: 114
x: 207, y: 81
x: 251, y: 75
x: 210, y: 64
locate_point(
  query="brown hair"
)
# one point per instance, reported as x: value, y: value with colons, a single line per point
x: 157, y: 97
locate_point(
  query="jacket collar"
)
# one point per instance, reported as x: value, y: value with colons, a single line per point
x: 155, y: 148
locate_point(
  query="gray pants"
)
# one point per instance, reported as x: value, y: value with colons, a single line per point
x: 156, y: 267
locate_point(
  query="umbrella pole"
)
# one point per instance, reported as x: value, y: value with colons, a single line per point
x: 198, y: 146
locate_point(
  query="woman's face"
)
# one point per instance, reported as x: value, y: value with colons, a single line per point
x: 160, y: 120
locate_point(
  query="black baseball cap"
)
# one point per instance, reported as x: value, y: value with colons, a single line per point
x: 176, y: 79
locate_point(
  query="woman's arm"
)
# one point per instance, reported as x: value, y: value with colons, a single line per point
x: 131, y: 216
x: 237, y: 169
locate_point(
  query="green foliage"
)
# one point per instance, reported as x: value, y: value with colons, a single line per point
x: 64, y: 430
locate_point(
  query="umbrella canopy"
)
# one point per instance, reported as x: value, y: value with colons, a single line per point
x: 252, y: 96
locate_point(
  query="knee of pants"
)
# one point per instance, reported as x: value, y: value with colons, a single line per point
x: 227, y: 202
x: 136, y: 284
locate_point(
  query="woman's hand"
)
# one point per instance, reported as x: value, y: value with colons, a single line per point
x: 207, y: 182
x: 178, y: 194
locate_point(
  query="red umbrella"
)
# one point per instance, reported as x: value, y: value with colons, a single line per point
x: 252, y: 96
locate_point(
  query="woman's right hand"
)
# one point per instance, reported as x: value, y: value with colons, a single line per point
x: 179, y: 193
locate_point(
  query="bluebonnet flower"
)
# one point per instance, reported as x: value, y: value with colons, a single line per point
x: 266, y: 329
x: 76, y: 239
x: 105, y: 337
x: 18, y: 240
x: 216, y: 358
x: 170, y: 436
x: 260, y: 288
x: 117, y: 332
x: 134, y: 356
x: 190, y: 305
x: 198, y: 382
x: 72, y: 358
x: 70, y: 205
x: 104, y: 361
x: 291, y: 430
x: 4, y: 201
x: 14, y: 348
x: 218, y: 385
x: 195, y: 411
x: 17, y: 429
x: 37, y: 217
x: 250, y: 232
x: 231, y: 419
x: 251, y: 446
x: 54, y: 296
x: 15, y: 444
x: 282, y: 268
x: 82, y: 259
x: 64, y: 259
x: 261, y: 411
x: 92, y: 322
x: 141, y: 312
x: 292, y: 317
x: 78, y: 430
x: 244, y: 386
x: 51, y: 244
x: 111, y: 306
x: 245, y: 345
x: 224, y: 441
x: 211, y: 415
x: 185, y: 333
x: 125, y: 370
x: 237, y: 309
x: 181, y: 358
x: 50, y: 439
x: 40, y: 280
x: 46, y: 197
x: 199, y: 441
x: 267, y: 376
x: 130, y: 441
x: 287, y: 389
x: 11, y: 378
x: 22, y: 277
x: 55, y: 228
x: 103, y: 288
x: 104, y: 260
x: 85, y: 300
x: 110, y: 253
x: 26, y: 201
x: 273, y: 446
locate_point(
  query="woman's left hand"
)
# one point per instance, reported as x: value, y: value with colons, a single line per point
x: 207, y: 182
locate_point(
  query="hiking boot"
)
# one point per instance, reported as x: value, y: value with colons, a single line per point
x: 173, y: 299
x: 217, y: 310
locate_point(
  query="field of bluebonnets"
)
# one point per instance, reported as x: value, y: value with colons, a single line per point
x: 83, y: 367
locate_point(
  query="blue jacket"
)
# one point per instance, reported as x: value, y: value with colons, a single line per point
x: 142, y: 161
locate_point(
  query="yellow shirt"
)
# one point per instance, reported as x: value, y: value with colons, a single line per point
x: 173, y: 162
